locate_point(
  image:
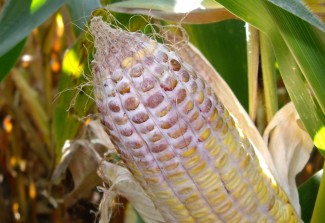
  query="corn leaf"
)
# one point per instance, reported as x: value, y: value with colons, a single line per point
x: 19, y: 18
x: 202, y: 11
x: 300, y: 51
x: 297, y: 8
x: 9, y: 59
x: 307, y: 195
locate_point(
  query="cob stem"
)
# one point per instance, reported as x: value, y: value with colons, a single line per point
x: 319, y: 214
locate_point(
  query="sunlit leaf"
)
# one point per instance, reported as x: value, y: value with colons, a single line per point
x: 298, y: 8
x: 202, y: 11
x: 19, y: 18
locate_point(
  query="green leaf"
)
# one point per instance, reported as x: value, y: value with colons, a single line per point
x: 296, y: 7
x: 307, y: 195
x: 300, y: 52
x: 81, y: 11
x: 224, y: 45
x: 202, y: 11
x: 20, y: 17
x: 8, y: 60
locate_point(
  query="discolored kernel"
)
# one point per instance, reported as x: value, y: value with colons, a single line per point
x: 175, y: 65
x: 131, y: 103
x: 155, y: 99
x: 140, y: 117
x: 114, y: 106
x: 169, y: 84
x: 137, y: 70
x: 147, y: 84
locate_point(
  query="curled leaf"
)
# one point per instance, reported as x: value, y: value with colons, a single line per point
x: 290, y: 147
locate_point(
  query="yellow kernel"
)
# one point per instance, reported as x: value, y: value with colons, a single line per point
x: 127, y: 62
x: 221, y: 162
x: 230, y: 175
x: 218, y: 125
x: 187, y: 153
x: 200, y: 214
x: 175, y: 175
x: 185, y: 190
x: 198, y: 168
x: 216, y: 198
x: 164, y: 111
x: 188, y: 107
x: 164, y: 194
x: 215, y: 151
x: 165, y: 157
x: 214, y: 115
x: 211, y: 182
x: 209, y: 144
x: 192, y: 161
x: 192, y: 198
x: 204, y: 134
x: 204, y: 178
x: 171, y: 166
x: 225, y: 207
x: 228, y: 140
x: 200, y: 97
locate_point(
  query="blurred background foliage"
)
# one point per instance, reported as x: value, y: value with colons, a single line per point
x: 45, y: 92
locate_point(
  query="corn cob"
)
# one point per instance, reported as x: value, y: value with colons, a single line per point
x: 176, y: 137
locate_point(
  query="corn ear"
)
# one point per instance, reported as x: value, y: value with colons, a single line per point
x: 176, y: 137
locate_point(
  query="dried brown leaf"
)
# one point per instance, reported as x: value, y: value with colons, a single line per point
x: 122, y: 183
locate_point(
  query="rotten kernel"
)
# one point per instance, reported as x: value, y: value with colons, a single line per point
x: 176, y: 66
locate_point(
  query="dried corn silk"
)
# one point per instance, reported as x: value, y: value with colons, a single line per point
x: 176, y: 137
